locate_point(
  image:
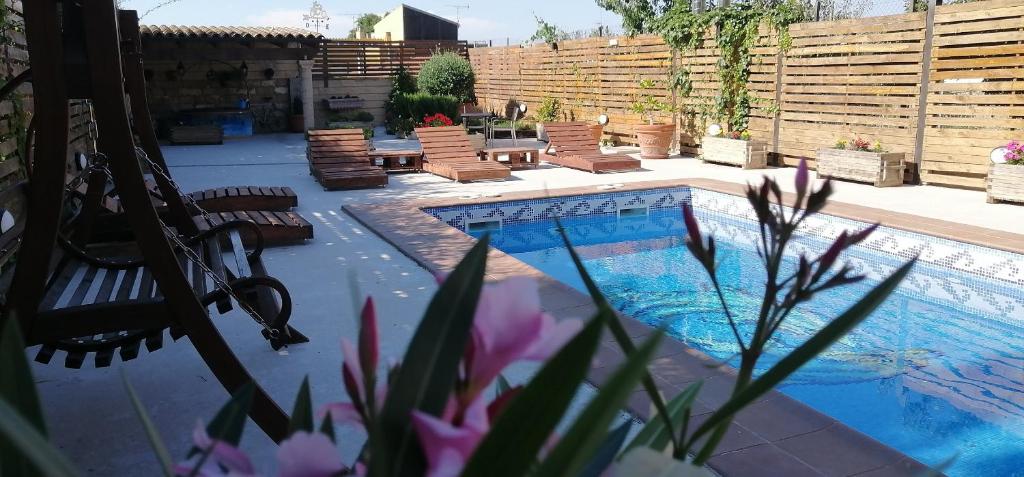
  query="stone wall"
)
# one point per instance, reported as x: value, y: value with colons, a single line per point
x: 373, y: 91
x: 207, y: 85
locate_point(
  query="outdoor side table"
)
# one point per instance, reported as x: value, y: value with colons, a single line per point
x: 481, y: 117
x: 397, y: 159
x: 518, y: 157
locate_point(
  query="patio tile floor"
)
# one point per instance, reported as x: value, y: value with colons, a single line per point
x: 89, y: 413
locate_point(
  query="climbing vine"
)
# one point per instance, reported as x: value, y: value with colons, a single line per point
x: 736, y: 33
x: 18, y: 118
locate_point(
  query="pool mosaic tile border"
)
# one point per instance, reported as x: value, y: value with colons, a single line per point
x: 1007, y: 267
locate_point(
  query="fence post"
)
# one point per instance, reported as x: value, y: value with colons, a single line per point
x: 777, y: 121
x: 922, y: 104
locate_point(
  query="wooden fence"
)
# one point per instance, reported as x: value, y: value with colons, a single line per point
x: 376, y: 58
x: 838, y: 80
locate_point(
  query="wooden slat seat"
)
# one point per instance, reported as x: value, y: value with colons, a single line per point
x: 229, y: 198
x: 277, y: 227
x: 447, y: 152
x: 339, y: 159
x: 576, y: 148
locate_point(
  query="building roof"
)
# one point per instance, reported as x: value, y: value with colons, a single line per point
x: 417, y: 10
x: 227, y: 32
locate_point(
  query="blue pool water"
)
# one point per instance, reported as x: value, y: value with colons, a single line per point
x: 928, y: 375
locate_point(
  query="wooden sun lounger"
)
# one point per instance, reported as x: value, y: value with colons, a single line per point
x: 339, y: 159
x: 448, y: 153
x: 576, y: 148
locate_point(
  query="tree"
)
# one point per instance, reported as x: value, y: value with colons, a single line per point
x: 637, y: 15
x: 364, y: 23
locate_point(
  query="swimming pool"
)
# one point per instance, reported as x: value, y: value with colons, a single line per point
x: 938, y: 370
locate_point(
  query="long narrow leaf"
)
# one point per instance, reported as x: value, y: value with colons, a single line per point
x: 19, y: 389
x: 31, y: 444
x: 798, y: 357
x: 430, y: 366
x: 606, y: 453
x: 521, y: 430
x: 229, y: 422
x: 577, y: 446
x: 302, y: 413
x: 654, y: 434
x: 618, y: 331
x: 162, y: 455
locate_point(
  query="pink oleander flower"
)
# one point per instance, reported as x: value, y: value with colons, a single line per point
x: 224, y: 459
x: 448, y: 446
x: 308, y: 455
x: 801, y: 176
x: 358, y: 368
x: 510, y: 326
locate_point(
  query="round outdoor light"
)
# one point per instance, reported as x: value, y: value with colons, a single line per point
x: 998, y: 155
x: 714, y: 130
x: 522, y: 108
x: 602, y: 119
x: 6, y: 221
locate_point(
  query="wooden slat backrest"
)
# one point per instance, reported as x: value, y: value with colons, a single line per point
x: 338, y: 145
x: 446, y: 144
x: 570, y: 138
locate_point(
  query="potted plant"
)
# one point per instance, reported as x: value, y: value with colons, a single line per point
x: 297, y: 121
x: 654, y: 139
x: 1005, y: 180
x: 547, y: 112
x: 734, y: 148
x: 860, y: 160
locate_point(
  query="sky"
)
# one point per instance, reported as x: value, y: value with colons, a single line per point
x: 482, y: 21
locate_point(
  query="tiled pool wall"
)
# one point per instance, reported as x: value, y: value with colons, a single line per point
x: 959, y: 267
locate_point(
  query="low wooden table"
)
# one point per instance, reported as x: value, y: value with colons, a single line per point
x: 518, y: 157
x: 397, y: 159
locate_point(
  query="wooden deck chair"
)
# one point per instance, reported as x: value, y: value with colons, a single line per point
x: 576, y: 148
x: 66, y: 299
x: 339, y: 159
x: 267, y: 207
x: 448, y: 153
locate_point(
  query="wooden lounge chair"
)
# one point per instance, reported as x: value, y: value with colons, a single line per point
x: 339, y: 159
x: 136, y: 298
x: 576, y: 148
x: 448, y: 153
x: 267, y: 207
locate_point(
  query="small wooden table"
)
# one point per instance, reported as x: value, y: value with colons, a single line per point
x: 518, y: 157
x: 397, y: 159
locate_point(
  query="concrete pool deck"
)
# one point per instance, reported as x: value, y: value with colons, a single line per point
x: 89, y: 413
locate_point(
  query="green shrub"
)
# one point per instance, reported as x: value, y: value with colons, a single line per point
x: 448, y: 74
x: 402, y: 82
x: 417, y: 105
x: 549, y: 110
x: 352, y: 116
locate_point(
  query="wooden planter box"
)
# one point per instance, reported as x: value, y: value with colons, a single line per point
x: 1005, y: 183
x: 735, y: 152
x: 882, y: 169
x: 211, y: 134
x: 343, y: 103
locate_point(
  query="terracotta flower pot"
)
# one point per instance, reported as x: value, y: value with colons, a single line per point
x: 597, y: 131
x: 654, y: 140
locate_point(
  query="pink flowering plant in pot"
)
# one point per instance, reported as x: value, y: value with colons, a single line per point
x: 433, y: 412
x: 1014, y: 153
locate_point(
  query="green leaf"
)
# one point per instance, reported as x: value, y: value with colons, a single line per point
x: 797, y: 358
x: 654, y: 434
x: 31, y: 444
x: 229, y: 422
x: 162, y: 455
x: 302, y: 413
x: 940, y: 469
x: 578, y: 444
x: 19, y: 389
x: 430, y: 366
x: 618, y: 331
x: 502, y: 385
x: 327, y: 427
x: 605, y: 454
x: 510, y: 447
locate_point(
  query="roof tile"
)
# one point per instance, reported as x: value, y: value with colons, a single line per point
x: 237, y: 32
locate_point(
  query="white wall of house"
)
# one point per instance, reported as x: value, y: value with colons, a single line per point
x: 392, y: 26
